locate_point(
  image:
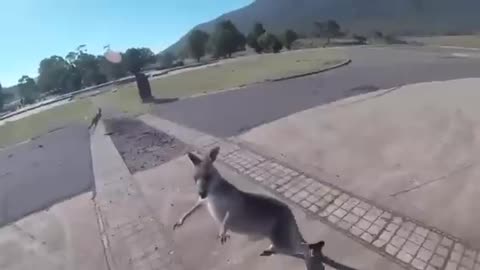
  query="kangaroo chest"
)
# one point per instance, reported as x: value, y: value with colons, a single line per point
x: 218, y: 208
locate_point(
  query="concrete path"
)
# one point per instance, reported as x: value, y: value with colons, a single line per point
x: 64, y: 237
x: 132, y: 237
x: 414, y: 150
x: 406, y: 240
x: 51, y: 168
x: 233, y: 112
x: 169, y: 191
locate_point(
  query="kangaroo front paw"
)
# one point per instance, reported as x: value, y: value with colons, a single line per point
x: 223, y: 238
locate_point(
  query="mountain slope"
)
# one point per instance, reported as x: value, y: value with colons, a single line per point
x: 359, y: 16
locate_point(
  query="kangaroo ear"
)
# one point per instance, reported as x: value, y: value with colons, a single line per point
x: 194, y: 158
x: 214, y: 153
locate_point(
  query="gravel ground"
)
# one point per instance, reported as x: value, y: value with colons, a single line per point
x: 141, y: 146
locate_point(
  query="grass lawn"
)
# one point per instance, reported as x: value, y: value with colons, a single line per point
x: 470, y: 41
x: 44, y: 121
x: 244, y: 71
x: 227, y: 74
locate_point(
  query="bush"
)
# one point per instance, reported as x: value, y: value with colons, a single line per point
x: 252, y: 38
x: 270, y: 43
x: 277, y: 46
x: 289, y: 37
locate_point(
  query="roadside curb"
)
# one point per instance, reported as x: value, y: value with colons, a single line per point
x: 130, y: 234
x: 341, y: 64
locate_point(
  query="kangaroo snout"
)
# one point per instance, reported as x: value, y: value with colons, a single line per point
x: 203, y: 194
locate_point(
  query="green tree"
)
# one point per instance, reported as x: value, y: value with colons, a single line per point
x: 227, y: 39
x: 166, y: 59
x: 197, y: 43
x: 137, y: 58
x: 328, y: 29
x: 87, y: 65
x: 252, y: 37
x: 270, y: 43
x: 289, y: 37
x: 277, y: 45
x: 28, y: 90
x: 53, y: 75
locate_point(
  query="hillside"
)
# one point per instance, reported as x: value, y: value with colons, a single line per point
x: 358, y: 16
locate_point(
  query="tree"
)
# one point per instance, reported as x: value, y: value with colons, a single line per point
x: 270, y: 43
x: 277, y: 45
x: 252, y: 38
x: 360, y: 39
x: 289, y: 37
x: 87, y: 65
x: 227, y: 39
x: 137, y: 58
x: 28, y: 90
x: 197, y: 43
x: 166, y: 59
x: 54, y: 73
x: 112, y: 71
x: 328, y: 29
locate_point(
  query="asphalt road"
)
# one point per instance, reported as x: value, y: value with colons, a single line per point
x: 44, y: 171
x: 233, y: 112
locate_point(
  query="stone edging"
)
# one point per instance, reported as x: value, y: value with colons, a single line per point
x: 341, y: 64
x: 404, y: 240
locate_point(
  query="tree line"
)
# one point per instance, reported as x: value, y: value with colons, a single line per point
x: 226, y: 39
x: 80, y: 69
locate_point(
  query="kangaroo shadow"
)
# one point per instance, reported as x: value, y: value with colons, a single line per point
x: 317, y: 262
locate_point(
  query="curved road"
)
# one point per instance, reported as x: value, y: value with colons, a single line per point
x: 233, y: 112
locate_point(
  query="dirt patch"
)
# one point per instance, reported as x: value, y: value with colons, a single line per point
x: 141, y: 146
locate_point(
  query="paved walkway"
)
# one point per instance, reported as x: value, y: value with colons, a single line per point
x: 64, y: 237
x: 132, y: 237
x: 136, y: 214
x: 415, y: 150
x: 403, y: 240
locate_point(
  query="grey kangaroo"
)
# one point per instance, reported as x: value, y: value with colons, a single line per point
x: 95, y: 119
x: 246, y: 213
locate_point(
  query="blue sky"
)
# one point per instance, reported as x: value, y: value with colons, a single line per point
x: 31, y: 30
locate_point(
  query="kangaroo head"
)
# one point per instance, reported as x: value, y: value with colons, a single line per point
x: 205, y: 171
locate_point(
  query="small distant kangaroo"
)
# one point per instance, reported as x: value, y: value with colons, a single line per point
x: 247, y: 213
x: 95, y: 119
